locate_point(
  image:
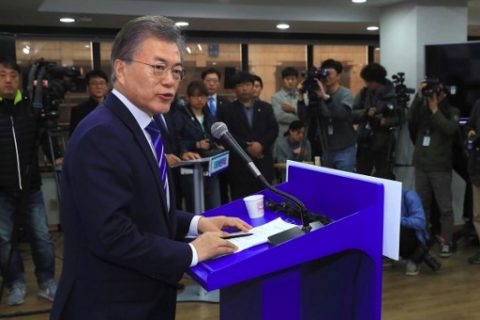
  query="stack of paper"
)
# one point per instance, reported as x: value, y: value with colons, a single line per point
x: 260, y: 234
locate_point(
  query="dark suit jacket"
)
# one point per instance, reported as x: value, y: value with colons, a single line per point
x: 189, y: 130
x: 264, y: 130
x: 81, y: 111
x: 122, y: 256
x: 222, y: 102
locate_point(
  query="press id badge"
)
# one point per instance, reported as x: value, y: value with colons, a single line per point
x: 330, y: 130
x: 426, y: 141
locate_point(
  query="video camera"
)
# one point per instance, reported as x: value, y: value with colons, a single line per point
x: 435, y: 86
x: 46, y: 86
x: 402, y: 92
x: 309, y: 85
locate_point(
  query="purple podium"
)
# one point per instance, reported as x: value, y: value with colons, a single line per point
x: 334, y: 272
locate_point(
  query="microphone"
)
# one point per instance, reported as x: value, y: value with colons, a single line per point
x: 220, y: 131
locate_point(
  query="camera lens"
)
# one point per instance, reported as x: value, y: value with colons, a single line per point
x: 432, y: 262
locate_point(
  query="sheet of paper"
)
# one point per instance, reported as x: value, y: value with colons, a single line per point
x: 261, y: 233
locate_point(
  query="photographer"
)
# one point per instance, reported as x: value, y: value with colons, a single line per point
x: 433, y: 123
x: 473, y: 146
x: 21, y: 197
x: 329, y: 117
x: 376, y: 113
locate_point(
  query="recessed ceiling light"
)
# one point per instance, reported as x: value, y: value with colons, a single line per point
x: 189, y: 50
x: 283, y: 26
x: 199, y: 46
x: 26, y: 50
x: 359, y: 1
x: 181, y: 24
x: 372, y: 28
x: 67, y: 20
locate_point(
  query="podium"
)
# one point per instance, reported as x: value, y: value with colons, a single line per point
x: 204, y: 166
x: 334, y: 272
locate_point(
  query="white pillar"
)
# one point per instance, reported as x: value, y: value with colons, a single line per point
x: 407, y: 27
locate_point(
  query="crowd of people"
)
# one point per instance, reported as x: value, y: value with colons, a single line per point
x: 321, y: 118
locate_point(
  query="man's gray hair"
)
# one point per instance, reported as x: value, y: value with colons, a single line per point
x: 137, y: 30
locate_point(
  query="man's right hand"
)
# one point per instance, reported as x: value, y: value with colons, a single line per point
x: 210, y: 244
x: 321, y: 90
x: 422, y: 85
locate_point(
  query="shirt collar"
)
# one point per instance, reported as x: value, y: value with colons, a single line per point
x: 142, y: 118
x: 17, y: 99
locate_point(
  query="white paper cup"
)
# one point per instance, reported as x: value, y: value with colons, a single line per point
x: 254, y: 205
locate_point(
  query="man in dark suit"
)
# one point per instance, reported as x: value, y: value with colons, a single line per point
x: 211, y: 77
x: 124, y: 253
x: 252, y: 123
x: 97, y: 87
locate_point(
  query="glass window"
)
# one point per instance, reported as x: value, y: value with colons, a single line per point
x: 64, y: 53
x: 268, y: 60
x: 225, y: 57
x: 353, y: 58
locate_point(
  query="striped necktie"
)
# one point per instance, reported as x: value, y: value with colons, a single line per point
x: 154, y: 132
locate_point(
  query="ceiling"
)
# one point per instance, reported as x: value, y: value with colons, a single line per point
x: 304, y: 16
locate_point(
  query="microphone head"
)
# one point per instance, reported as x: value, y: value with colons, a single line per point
x: 218, y: 129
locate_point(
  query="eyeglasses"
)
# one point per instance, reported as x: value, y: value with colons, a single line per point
x: 160, y: 70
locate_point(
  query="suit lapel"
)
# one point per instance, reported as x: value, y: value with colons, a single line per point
x: 121, y: 111
x: 257, y: 114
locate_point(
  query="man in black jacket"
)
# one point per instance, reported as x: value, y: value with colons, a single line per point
x: 252, y: 123
x: 97, y: 87
x: 21, y: 196
x: 377, y: 115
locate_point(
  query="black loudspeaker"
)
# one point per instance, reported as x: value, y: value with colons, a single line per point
x: 229, y: 72
x: 7, y: 47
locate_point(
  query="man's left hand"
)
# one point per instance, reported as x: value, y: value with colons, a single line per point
x: 218, y: 223
x: 255, y: 149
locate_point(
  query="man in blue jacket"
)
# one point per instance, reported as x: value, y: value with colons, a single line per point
x: 124, y: 253
x: 413, y: 235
